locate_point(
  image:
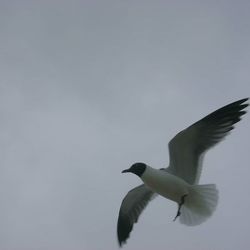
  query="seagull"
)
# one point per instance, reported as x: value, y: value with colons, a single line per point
x: 179, y: 182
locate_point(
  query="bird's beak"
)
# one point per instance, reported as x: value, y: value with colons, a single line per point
x: 126, y: 171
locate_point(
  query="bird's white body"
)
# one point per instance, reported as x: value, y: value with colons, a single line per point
x: 165, y: 184
x: 196, y: 202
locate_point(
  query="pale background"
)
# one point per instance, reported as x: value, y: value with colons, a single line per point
x: 89, y: 87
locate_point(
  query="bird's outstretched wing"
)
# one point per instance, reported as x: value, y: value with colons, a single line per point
x: 131, y: 208
x: 187, y: 147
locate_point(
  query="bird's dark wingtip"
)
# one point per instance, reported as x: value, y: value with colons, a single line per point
x: 124, y: 227
x: 121, y: 243
x: 243, y: 102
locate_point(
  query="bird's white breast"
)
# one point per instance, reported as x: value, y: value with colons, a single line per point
x: 165, y: 184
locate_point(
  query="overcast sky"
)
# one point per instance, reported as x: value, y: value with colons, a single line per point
x: 89, y: 87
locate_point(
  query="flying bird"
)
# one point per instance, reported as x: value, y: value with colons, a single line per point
x: 180, y: 181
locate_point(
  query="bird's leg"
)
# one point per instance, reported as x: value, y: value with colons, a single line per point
x: 179, y: 206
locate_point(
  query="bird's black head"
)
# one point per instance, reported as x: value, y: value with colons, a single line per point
x: 137, y: 168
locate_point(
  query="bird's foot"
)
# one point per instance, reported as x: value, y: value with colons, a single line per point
x: 179, y: 207
x: 177, y: 215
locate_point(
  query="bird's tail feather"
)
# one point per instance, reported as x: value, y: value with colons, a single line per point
x: 199, y: 204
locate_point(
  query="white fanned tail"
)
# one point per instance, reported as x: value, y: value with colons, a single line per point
x: 199, y: 204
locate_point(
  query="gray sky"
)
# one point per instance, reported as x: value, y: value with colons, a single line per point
x: 89, y: 87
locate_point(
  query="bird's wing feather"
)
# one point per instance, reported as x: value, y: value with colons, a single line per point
x: 131, y: 208
x: 187, y: 147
